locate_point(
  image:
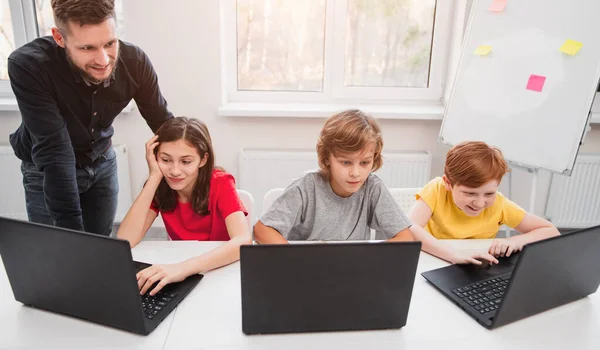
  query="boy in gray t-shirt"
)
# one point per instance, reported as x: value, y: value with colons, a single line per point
x: 343, y: 200
x: 310, y: 210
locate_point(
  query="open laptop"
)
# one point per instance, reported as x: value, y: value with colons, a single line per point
x: 544, y: 275
x: 83, y: 275
x: 327, y: 286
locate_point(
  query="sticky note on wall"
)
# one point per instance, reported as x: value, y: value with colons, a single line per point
x: 571, y: 47
x: 536, y: 83
x: 498, y: 5
x: 483, y: 50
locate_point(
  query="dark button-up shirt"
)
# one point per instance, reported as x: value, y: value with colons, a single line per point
x: 68, y: 122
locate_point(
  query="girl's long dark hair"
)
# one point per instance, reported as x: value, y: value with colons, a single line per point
x: 195, y: 133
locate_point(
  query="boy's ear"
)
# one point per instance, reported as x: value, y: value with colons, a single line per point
x: 447, y: 183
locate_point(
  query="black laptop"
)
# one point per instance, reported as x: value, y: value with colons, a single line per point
x: 544, y: 275
x: 83, y: 275
x: 326, y: 286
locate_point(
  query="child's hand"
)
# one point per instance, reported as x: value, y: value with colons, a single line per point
x: 153, y: 168
x: 163, y: 274
x: 473, y: 258
x: 504, y: 247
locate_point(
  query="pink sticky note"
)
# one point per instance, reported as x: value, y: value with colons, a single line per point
x: 498, y: 5
x: 536, y: 83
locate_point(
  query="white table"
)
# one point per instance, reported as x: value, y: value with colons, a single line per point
x: 210, y: 318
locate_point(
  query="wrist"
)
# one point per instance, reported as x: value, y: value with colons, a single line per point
x: 516, y: 240
x: 453, y: 257
x: 155, y: 178
x: 189, y: 267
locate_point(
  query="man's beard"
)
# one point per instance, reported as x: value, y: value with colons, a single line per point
x: 85, y: 75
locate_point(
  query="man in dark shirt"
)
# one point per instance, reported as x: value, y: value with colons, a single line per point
x: 70, y: 87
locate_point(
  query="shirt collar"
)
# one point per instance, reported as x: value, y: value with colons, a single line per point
x: 105, y: 83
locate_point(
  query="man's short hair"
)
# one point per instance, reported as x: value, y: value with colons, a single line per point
x: 81, y: 12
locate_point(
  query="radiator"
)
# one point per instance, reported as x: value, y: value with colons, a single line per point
x: 264, y: 169
x: 12, y: 198
x: 574, y: 202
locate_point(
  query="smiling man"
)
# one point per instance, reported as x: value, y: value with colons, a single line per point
x: 70, y: 87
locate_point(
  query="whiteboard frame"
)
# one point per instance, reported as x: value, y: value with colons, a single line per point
x: 532, y: 167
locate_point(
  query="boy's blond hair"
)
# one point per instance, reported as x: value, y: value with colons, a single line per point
x: 348, y: 132
x: 474, y: 163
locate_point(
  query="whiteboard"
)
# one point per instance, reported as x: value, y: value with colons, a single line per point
x: 489, y: 101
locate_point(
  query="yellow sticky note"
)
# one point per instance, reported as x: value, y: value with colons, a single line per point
x: 483, y: 50
x: 571, y: 47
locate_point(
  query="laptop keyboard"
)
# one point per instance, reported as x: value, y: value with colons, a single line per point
x: 484, y: 296
x: 154, y: 304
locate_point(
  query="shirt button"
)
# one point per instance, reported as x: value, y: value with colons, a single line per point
x: 95, y: 113
x: 95, y: 92
x: 92, y: 129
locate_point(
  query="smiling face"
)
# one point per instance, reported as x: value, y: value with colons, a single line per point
x: 179, y: 163
x: 92, y: 49
x: 349, y: 171
x: 472, y: 201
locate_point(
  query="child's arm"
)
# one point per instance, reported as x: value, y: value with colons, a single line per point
x: 140, y: 217
x: 229, y: 252
x: 533, y: 227
x: 225, y: 254
x: 282, y: 216
x: 267, y: 235
x: 402, y: 236
x: 419, y: 215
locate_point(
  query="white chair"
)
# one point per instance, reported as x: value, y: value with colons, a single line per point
x: 248, y: 202
x: 270, y: 197
x: 405, y: 197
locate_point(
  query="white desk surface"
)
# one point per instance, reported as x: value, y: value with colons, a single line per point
x: 210, y: 318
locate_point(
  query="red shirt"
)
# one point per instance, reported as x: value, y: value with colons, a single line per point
x: 184, y: 224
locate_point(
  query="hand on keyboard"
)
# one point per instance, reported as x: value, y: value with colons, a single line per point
x: 161, y: 275
x: 504, y: 247
x: 473, y: 258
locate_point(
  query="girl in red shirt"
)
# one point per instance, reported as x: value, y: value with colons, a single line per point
x: 196, y: 200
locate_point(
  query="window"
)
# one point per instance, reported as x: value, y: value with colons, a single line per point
x: 280, y: 45
x: 12, y: 35
x: 45, y: 20
x: 7, y: 40
x: 24, y: 20
x: 335, y: 51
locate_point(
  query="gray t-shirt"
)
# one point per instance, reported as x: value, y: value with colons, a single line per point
x: 310, y: 210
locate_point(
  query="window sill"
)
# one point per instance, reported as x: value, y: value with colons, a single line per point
x: 10, y: 104
x: 321, y: 110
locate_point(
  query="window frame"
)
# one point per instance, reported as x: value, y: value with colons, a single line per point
x: 595, y: 112
x: 25, y: 29
x: 334, y: 92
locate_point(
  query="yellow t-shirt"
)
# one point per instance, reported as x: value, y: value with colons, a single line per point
x: 449, y: 222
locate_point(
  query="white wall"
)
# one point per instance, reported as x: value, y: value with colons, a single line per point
x: 182, y: 40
